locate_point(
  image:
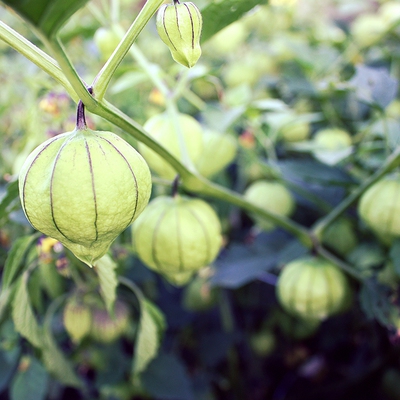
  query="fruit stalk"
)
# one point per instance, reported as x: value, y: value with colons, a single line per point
x: 106, y: 73
x: 323, y: 223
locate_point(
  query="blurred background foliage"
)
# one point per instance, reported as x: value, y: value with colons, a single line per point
x: 275, y: 80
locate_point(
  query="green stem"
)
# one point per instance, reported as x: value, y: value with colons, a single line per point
x: 97, y: 14
x: 37, y: 56
x: 114, y: 11
x: 151, y: 70
x: 341, y: 264
x: 193, y: 182
x: 323, y: 223
x: 181, y: 85
x: 63, y: 60
x: 190, y: 181
x: 194, y: 100
x: 103, y: 79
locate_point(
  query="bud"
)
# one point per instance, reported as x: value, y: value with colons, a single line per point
x: 77, y: 319
x: 179, y: 26
x: 177, y: 236
x: 83, y: 188
x: 199, y: 295
x: 107, y: 328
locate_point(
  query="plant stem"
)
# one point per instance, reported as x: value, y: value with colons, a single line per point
x: 37, y: 56
x: 103, y: 79
x: 192, y: 181
x: 151, y: 70
x: 341, y: 264
x: 114, y: 11
x: 323, y: 223
x: 63, y: 60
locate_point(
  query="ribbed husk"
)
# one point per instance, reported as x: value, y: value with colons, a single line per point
x: 179, y: 27
x: 83, y: 188
x: 177, y: 236
x: 379, y: 208
x: 313, y: 288
x: 77, y: 319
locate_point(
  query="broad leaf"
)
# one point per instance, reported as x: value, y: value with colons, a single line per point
x: 14, y: 262
x: 374, y: 86
x: 219, y: 14
x: 56, y: 362
x: 31, y: 382
x: 47, y: 16
x: 8, y: 363
x: 166, y: 378
x: 395, y: 255
x: 105, y: 268
x: 376, y: 303
x: 54, y: 359
x: 241, y: 264
x: 151, y: 327
x: 10, y: 195
x: 22, y: 313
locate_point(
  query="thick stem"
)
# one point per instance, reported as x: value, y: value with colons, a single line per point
x: 80, y: 116
x: 323, y: 223
x: 107, y: 72
x: 175, y: 186
x: 37, y: 56
x: 70, y: 72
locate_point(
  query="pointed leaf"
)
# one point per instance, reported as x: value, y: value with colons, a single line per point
x: 46, y: 15
x: 30, y: 383
x: 166, y: 378
x: 219, y: 14
x: 9, y: 361
x: 14, y: 265
x: 376, y: 303
x: 54, y: 359
x: 151, y: 327
x: 24, y: 319
x: 56, y: 362
x: 105, y: 268
x: 374, y: 86
x: 395, y: 255
x: 10, y: 195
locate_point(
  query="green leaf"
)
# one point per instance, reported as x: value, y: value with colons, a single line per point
x: 46, y: 15
x: 166, y: 378
x: 11, y: 194
x: 53, y: 358
x: 395, y: 255
x: 30, y: 383
x: 105, y: 268
x: 151, y: 327
x: 5, y: 298
x: 219, y: 14
x: 9, y: 361
x: 14, y: 262
x: 22, y: 314
x: 56, y: 362
x: 376, y: 303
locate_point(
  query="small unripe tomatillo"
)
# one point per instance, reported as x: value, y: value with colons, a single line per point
x: 179, y: 26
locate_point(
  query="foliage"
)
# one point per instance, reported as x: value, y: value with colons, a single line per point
x: 271, y: 80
